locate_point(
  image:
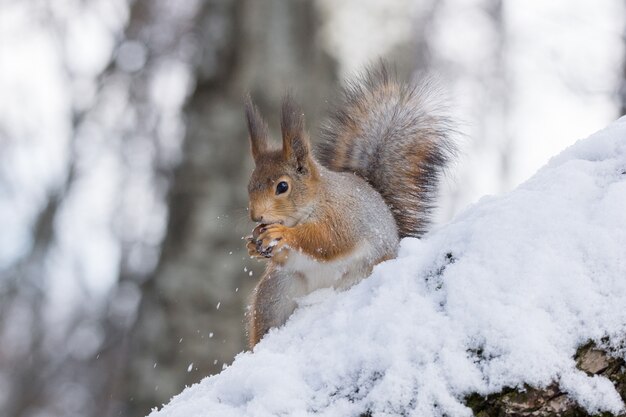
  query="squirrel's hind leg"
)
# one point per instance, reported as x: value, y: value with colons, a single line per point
x: 273, y: 301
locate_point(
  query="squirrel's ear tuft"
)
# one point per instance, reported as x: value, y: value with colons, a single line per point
x: 296, y: 147
x: 256, y: 127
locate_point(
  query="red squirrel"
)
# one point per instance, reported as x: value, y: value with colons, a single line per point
x: 327, y: 217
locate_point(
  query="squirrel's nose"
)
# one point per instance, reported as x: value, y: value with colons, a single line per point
x: 254, y: 216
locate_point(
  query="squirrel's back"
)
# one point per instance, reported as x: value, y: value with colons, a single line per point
x: 397, y: 137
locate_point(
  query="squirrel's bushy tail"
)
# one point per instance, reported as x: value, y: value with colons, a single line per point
x: 397, y: 137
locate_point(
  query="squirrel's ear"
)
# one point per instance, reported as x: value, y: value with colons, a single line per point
x: 256, y: 127
x: 296, y: 147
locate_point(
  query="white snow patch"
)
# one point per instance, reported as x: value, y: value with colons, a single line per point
x: 501, y: 296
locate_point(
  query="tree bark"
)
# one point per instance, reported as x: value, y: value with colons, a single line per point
x: 551, y: 401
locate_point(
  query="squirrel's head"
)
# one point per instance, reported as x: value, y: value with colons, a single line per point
x: 283, y: 186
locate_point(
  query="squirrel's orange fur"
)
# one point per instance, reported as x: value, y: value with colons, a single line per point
x: 327, y: 224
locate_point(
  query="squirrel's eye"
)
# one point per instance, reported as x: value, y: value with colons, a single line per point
x: 282, y: 187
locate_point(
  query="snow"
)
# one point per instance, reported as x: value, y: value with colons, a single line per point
x: 501, y: 296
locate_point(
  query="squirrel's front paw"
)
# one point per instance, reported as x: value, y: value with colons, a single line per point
x: 253, y: 243
x: 271, y: 239
x: 253, y: 248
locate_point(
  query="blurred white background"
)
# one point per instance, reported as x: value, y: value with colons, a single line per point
x: 124, y: 159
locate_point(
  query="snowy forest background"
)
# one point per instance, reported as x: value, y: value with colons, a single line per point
x: 124, y: 160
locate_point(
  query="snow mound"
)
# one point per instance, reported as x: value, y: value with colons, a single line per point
x: 500, y: 297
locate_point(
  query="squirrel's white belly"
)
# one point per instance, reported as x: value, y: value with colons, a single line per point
x: 339, y: 274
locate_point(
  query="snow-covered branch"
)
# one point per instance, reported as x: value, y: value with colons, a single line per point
x: 499, y: 300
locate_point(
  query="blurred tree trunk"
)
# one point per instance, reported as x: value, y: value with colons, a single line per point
x: 622, y: 81
x: 501, y: 103
x: 22, y: 297
x: 190, y: 319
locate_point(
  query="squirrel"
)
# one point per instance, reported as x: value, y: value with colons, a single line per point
x: 327, y: 216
